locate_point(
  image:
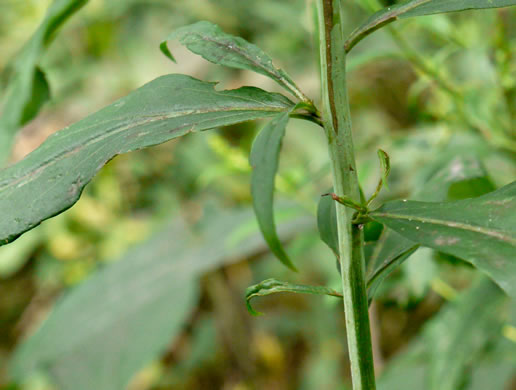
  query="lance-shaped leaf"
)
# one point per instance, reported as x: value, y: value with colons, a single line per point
x: 264, y: 160
x: 480, y: 230
x: 51, y: 179
x: 28, y: 88
x: 412, y: 8
x: 125, y: 315
x: 460, y: 178
x: 273, y: 286
x: 214, y: 45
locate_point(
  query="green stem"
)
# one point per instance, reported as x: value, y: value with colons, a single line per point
x: 336, y: 119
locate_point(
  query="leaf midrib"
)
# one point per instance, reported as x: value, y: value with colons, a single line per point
x: 119, y: 129
x: 451, y: 224
x: 275, y: 72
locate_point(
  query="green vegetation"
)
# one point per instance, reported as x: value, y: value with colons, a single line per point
x: 141, y: 284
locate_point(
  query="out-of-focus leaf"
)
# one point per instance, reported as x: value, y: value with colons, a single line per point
x: 407, y: 370
x: 461, y: 177
x: 412, y: 8
x: 480, y: 230
x: 273, y: 286
x: 50, y: 179
x: 28, y: 88
x: 327, y: 223
x: 463, y: 331
x: 213, y: 44
x: 451, y: 342
x: 419, y: 272
x: 264, y: 160
x: 13, y: 257
x: 112, y: 324
x: 118, y: 320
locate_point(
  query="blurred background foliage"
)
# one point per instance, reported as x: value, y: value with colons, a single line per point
x: 427, y: 91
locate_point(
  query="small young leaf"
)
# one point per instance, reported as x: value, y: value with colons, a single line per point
x: 412, y: 8
x: 385, y: 165
x: 480, y: 230
x: 264, y: 161
x: 51, y: 179
x: 28, y: 88
x: 214, y: 45
x: 273, y: 286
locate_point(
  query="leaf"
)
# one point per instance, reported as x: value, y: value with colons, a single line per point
x: 51, y: 178
x: 213, y: 44
x: 28, y: 88
x: 14, y: 257
x: 125, y: 315
x: 461, y: 177
x: 390, y: 251
x: 273, y: 286
x: 407, y: 370
x: 480, y: 230
x: 264, y: 160
x: 463, y: 331
x: 385, y: 164
x: 327, y: 223
x: 441, y: 357
x: 412, y: 8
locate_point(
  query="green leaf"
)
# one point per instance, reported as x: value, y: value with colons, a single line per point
x: 390, y: 251
x: 452, y: 344
x: 464, y: 330
x: 125, y: 315
x: 13, y: 257
x: 264, y: 160
x: 462, y: 177
x: 412, y: 8
x: 214, y: 45
x: 327, y: 223
x: 480, y: 230
x: 28, y: 88
x: 273, y: 286
x: 385, y: 164
x: 51, y: 179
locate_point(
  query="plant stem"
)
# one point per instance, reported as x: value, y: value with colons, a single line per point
x: 337, y: 124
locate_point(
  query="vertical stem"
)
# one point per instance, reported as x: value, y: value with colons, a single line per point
x: 337, y: 125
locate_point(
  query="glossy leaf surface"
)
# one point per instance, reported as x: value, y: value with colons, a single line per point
x: 51, y: 178
x: 480, y: 230
x: 28, y: 88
